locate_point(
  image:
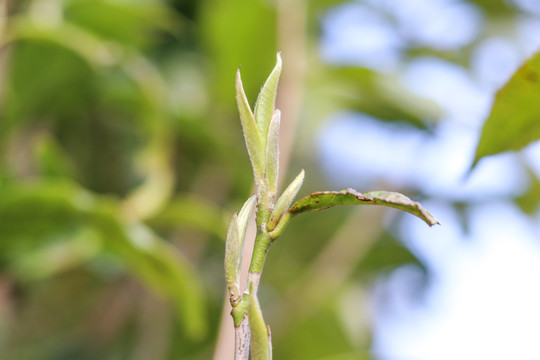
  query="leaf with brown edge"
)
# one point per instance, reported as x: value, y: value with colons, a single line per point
x: 326, y: 199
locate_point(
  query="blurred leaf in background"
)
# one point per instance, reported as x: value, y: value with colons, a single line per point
x: 514, y: 119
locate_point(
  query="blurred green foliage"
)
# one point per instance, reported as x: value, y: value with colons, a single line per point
x: 121, y: 162
x: 516, y: 100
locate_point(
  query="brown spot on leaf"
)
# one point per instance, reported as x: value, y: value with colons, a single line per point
x: 531, y: 76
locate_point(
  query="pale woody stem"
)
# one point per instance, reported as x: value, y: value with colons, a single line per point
x: 242, y: 337
x: 253, y: 281
x: 242, y: 333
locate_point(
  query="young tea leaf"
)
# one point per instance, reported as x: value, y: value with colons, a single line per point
x: 264, y: 107
x: 326, y: 199
x: 514, y: 121
x: 233, y: 253
x: 244, y: 216
x: 252, y: 136
x: 285, y: 200
x: 235, y: 245
x: 272, y: 154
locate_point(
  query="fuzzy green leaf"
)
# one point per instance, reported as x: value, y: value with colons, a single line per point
x: 264, y: 107
x: 235, y: 245
x: 261, y: 349
x: 285, y: 200
x: 514, y: 121
x: 254, y: 143
x: 244, y: 216
x: 272, y: 154
x: 233, y: 252
x: 326, y: 199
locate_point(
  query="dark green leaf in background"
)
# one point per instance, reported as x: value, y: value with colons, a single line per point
x: 47, y: 213
x: 121, y: 21
x: 386, y: 254
x: 233, y: 31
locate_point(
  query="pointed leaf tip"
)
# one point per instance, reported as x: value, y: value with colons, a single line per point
x: 326, y: 199
x: 265, y: 105
x: 401, y: 202
x: 513, y: 122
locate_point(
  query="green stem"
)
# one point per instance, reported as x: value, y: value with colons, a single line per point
x: 262, y: 239
x: 281, y: 225
x: 262, y: 243
x: 240, y: 310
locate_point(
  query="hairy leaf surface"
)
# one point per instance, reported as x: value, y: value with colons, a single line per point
x: 264, y: 107
x: 254, y: 144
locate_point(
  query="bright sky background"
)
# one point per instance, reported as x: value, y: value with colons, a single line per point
x: 483, y: 302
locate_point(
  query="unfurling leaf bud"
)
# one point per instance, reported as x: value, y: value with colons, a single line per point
x: 254, y: 141
x: 284, y: 201
x: 266, y: 102
x: 234, y: 247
